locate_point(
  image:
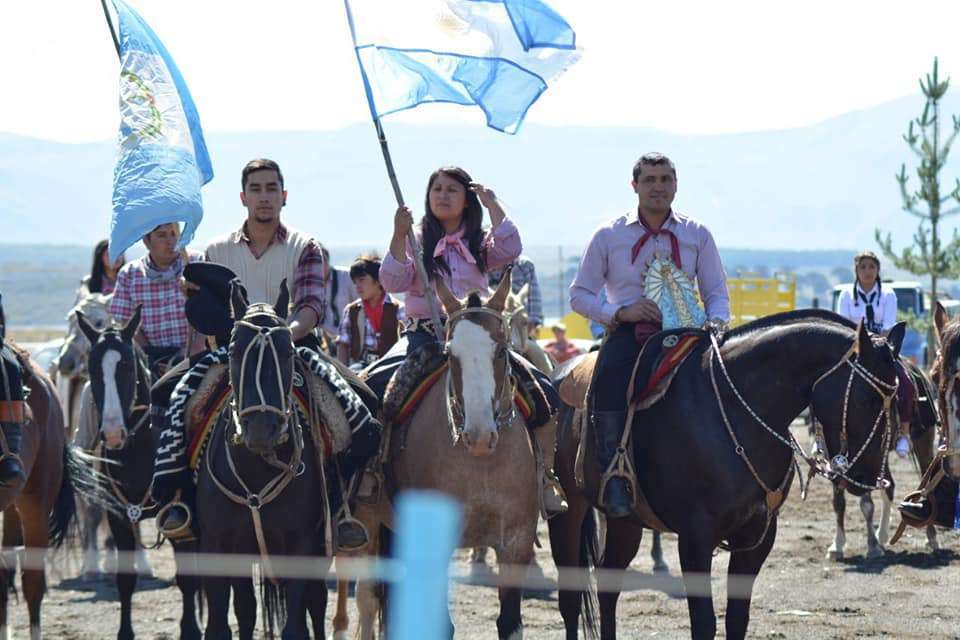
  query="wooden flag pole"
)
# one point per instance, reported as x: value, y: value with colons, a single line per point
x: 113, y: 32
x: 411, y: 236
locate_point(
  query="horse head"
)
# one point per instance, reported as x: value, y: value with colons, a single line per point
x: 946, y: 373
x: 479, y: 392
x: 855, y: 401
x: 261, y: 369
x: 116, y: 370
x: 516, y: 316
x: 72, y: 358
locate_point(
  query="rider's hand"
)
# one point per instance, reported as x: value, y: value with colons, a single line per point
x: 643, y: 310
x: 402, y: 222
x: 487, y: 196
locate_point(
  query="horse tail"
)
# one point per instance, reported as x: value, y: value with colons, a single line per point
x: 63, y: 516
x: 274, y: 597
x: 589, y: 558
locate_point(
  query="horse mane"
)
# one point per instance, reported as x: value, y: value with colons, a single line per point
x: 473, y: 299
x: 791, y: 317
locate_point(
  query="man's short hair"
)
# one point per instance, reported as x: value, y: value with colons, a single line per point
x: 652, y: 159
x: 366, y: 266
x: 146, y: 236
x: 260, y: 164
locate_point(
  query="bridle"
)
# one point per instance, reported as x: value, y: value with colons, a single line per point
x: 259, y: 346
x: 140, y: 399
x: 839, y: 465
x: 504, y: 409
x: 508, y: 317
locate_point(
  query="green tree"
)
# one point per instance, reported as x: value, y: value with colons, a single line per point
x: 928, y: 255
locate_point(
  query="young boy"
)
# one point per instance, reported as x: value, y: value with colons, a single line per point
x: 370, y: 324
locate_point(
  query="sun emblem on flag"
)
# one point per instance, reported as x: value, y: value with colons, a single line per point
x: 142, y: 118
x: 450, y: 22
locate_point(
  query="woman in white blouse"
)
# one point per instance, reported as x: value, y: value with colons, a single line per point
x: 878, y: 310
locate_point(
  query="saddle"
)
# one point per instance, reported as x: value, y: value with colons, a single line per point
x: 416, y: 375
x: 659, y: 360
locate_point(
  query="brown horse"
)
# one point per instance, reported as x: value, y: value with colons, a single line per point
x: 37, y: 510
x: 465, y: 439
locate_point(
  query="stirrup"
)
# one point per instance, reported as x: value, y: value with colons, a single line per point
x: 620, y: 467
x: 183, y: 533
x: 347, y: 518
x: 368, y: 489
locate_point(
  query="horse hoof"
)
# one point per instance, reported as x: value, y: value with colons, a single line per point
x: 834, y: 555
x: 875, y: 552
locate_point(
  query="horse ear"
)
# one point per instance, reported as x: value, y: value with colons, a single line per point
x: 86, y: 328
x: 524, y: 293
x: 283, y: 301
x: 238, y: 299
x: 449, y: 301
x: 895, y: 337
x: 499, y: 298
x: 132, y: 325
x: 940, y: 320
x: 864, y: 345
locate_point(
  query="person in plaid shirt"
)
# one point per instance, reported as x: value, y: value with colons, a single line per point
x: 153, y: 282
x: 524, y: 273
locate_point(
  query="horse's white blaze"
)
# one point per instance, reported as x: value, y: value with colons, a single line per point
x: 112, y: 419
x: 474, y: 349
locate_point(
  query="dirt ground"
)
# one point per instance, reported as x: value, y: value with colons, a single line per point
x: 908, y: 593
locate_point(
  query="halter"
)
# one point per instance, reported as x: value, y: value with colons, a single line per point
x: 142, y: 381
x: 504, y: 409
x: 261, y: 342
x: 837, y: 466
x: 946, y: 449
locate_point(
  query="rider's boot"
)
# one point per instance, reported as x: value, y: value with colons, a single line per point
x: 607, y: 427
x: 11, y: 467
x: 553, y: 498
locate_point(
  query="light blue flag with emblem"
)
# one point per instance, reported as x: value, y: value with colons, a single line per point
x: 162, y: 160
x: 500, y: 55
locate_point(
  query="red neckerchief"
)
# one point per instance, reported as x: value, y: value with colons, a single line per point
x: 375, y: 313
x: 651, y: 233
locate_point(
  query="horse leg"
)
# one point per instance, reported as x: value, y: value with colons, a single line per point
x: 217, y: 590
x: 341, y: 620
x: 619, y: 549
x: 741, y: 574
x: 696, y: 559
x: 366, y: 609
x: 189, y: 584
x: 244, y: 606
x: 656, y: 554
x: 12, y: 536
x: 126, y: 577
x: 570, y: 552
x: 141, y: 563
x: 886, y: 502
x: 835, y: 552
x: 874, y: 550
x: 478, y: 561
x: 296, y: 625
x: 510, y: 622
x: 91, y: 517
x: 317, y: 608
x: 36, y: 537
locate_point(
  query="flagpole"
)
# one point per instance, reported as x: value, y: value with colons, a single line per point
x: 392, y: 174
x: 113, y: 32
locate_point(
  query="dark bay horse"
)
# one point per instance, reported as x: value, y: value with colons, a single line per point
x: 120, y: 383
x: 260, y: 479
x: 714, y: 457
x: 39, y: 509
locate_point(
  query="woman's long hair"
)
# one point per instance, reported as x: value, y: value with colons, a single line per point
x: 857, y: 259
x: 431, y: 230
x: 97, y: 270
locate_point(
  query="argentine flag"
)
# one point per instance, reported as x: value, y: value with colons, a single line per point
x: 163, y: 160
x: 500, y: 55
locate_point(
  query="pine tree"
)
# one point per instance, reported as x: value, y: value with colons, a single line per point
x: 928, y: 255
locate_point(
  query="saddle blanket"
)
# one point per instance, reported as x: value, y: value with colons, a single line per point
x: 658, y: 363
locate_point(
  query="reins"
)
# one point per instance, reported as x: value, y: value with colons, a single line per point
x: 839, y: 465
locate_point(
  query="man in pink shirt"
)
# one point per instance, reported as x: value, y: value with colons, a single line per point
x: 617, y: 259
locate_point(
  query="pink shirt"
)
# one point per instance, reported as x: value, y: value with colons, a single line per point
x: 502, y: 245
x: 607, y: 262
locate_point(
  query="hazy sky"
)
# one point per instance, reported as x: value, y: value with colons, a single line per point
x: 682, y: 66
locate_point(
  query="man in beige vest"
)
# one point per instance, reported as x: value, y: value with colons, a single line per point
x: 263, y: 253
